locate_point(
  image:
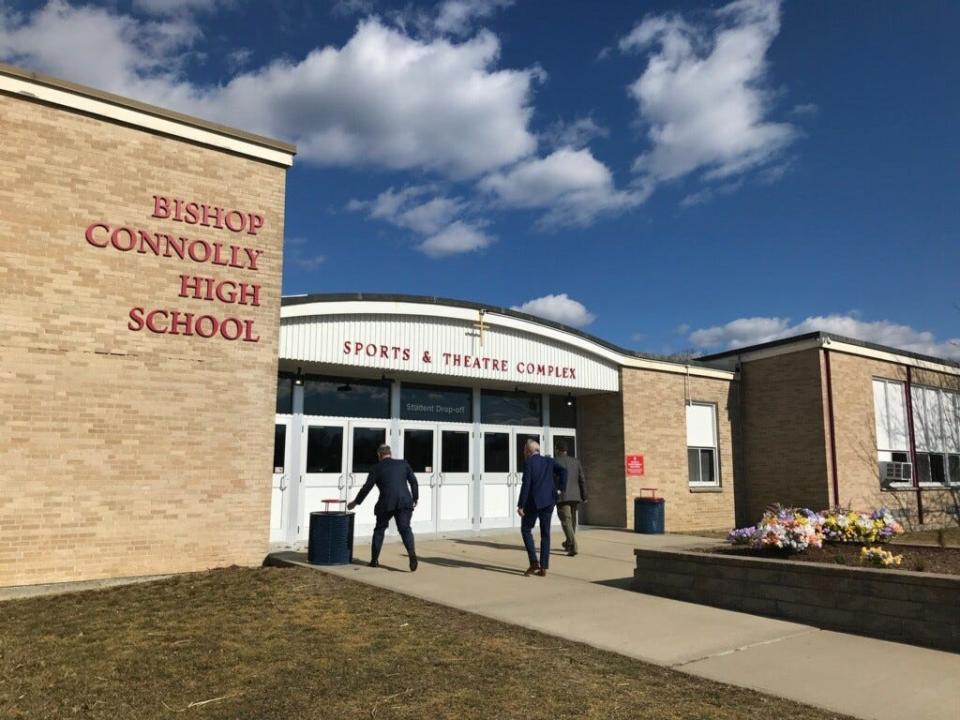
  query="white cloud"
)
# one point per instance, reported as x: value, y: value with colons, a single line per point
x: 384, y: 99
x: 174, y: 7
x: 559, y: 308
x: 576, y: 134
x: 437, y: 218
x: 571, y: 185
x: 702, y: 96
x: 457, y: 238
x: 751, y: 331
x: 457, y: 16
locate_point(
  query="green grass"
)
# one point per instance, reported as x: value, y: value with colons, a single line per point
x: 300, y: 644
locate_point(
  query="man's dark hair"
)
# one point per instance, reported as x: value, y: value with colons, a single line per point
x: 561, y: 446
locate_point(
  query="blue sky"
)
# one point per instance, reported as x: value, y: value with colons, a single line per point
x: 668, y: 176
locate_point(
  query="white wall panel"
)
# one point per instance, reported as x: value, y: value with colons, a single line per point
x: 443, y: 346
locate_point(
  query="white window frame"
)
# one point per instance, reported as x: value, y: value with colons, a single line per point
x: 885, y: 454
x: 715, y: 448
x: 954, y: 403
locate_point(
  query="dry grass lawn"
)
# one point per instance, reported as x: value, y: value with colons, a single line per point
x: 299, y: 644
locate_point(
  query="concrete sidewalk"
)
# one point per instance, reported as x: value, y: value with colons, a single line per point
x: 585, y: 599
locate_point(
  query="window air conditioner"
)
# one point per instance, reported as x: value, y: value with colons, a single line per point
x: 896, y: 472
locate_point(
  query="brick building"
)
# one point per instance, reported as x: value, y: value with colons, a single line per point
x: 135, y: 431
x: 146, y: 354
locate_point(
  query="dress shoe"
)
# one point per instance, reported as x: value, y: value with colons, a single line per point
x: 373, y: 563
x: 532, y: 570
x: 413, y: 563
x: 541, y: 573
x: 571, y: 553
x: 566, y: 545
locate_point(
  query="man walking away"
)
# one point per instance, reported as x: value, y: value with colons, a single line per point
x: 571, y: 498
x: 538, y: 494
x: 396, y: 501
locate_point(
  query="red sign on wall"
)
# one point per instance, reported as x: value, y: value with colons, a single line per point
x: 634, y: 464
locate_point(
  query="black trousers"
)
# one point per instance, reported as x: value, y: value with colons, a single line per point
x: 402, y: 518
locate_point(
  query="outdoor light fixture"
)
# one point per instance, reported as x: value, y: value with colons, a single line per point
x: 569, y: 399
x: 298, y: 380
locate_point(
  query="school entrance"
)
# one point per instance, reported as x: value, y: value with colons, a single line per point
x: 468, y: 470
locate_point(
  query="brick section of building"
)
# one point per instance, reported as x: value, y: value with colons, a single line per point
x: 126, y: 453
x: 600, y: 436
x: 857, y: 464
x: 649, y: 418
x: 785, y: 442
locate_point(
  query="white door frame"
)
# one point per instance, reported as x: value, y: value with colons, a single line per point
x: 315, y: 487
x: 498, y: 490
x: 365, y: 519
x: 455, y: 496
x: 281, y: 484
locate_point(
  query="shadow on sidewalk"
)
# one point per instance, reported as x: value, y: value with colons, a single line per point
x: 452, y: 563
x: 618, y: 583
x: 554, y: 549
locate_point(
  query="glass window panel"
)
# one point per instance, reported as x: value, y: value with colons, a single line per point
x: 454, y: 451
x: 897, y: 430
x: 443, y: 404
x: 496, y: 452
x: 921, y: 419
x: 521, y: 442
x: 707, y: 466
x: 418, y: 449
x: 880, y: 414
x: 510, y: 408
x: 701, y: 425
x: 951, y: 423
x: 346, y: 398
x: 279, y: 447
x: 284, y: 395
x: 563, y: 411
x: 567, y: 441
x: 324, y: 449
x: 938, y: 470
x: 365, y: 444
x: 923, y: 468
x: 953, y: 463
x: 693, y: 466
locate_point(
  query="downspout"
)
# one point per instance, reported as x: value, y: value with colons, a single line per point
x: 913, y: 444
x: 833, y: 434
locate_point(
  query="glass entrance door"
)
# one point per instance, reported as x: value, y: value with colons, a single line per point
x: 441, y: 457
x: 419, y: 448
x: 455, y: 481
x: 364, y: 437
x: 500, y: 475
x: 324, y: 471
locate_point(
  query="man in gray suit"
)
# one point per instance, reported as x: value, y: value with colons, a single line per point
x: 570, y: 499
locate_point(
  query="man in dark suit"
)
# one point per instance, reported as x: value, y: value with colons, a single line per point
x: 538, y: 494
x: 396, y: 501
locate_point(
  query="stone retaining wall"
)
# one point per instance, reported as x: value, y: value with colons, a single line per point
x: 910, y: 607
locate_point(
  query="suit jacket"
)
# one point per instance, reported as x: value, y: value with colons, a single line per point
x: 541, y: 479
x: 391, y: 478
x: 576, y: 482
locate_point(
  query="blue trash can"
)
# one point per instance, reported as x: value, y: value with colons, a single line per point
x: 331, y: 537
x: 648, y: 513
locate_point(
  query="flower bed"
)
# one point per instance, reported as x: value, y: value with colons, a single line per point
x: 921, y: 559
x: 795, y: 530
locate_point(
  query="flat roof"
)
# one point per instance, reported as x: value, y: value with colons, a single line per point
x: 822, y: 336
x: 289, y: 300
x: 120, y: 102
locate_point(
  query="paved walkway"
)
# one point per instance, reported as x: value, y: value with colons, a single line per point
x: 585, y: 599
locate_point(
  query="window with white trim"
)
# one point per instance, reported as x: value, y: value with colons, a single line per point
x: 936, y: 430
x: 936, y: 425
x: 702, y: 461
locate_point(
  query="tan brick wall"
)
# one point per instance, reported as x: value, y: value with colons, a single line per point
x: 126, y: 453
x: 654, y: 412
x: 784, y: 451
x: 857, y: 468
x: 600, y: 436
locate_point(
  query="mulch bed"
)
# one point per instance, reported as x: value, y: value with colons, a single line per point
x: 918, y: 559
x: 272, y: 644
